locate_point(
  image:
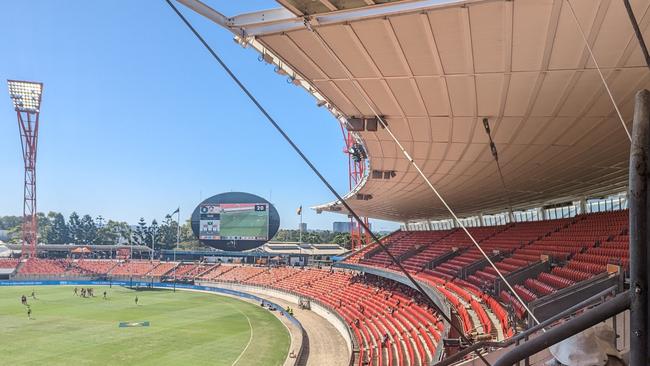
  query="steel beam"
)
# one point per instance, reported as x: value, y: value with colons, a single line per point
x: 637, y: 32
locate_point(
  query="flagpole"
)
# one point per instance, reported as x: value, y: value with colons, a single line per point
x: 300, y: 227
x: 300, y: 238
x: 178, y: 241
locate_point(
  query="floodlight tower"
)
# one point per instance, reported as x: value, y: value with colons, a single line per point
x: 26, y: 97
x: 356, y: 170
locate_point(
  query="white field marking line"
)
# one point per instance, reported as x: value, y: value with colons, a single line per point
x: 417, y: 168
x: 249, y: 339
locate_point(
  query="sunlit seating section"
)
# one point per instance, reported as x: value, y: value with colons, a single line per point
x: 510, y: 241
x: 302, y: 278
x: 191, y: 271
x: 430, y: 244
x: 272, y: 277
x: 36, y: 266
x: 216, y: 272
x: 390, y: 321
x: 133, y: 268
x: 98, y: 267
x: 9, y: 263
x: 378, y: 309
x: 387, y: 240
x: 240, y: 273
x: 469, y: 253
x: 162, y: 269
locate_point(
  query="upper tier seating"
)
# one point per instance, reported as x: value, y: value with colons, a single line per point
x: 580, y: 247
x: 509, y: 242
x: 584, y: 245
x: 469, y: 253
x: 386, y: 240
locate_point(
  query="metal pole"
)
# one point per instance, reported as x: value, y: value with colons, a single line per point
x: 639, y: 346
x: 300, y: 227
x: 637, y: 31
x: 178, y: 242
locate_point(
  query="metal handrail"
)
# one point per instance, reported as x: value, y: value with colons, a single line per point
x: 528, y: 332
x: 572, y: 327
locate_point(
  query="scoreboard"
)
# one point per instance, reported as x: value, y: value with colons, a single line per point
x: 234, y: 221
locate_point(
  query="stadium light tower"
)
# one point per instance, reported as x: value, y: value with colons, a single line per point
x: 26, y: 97
x: 356, y: 171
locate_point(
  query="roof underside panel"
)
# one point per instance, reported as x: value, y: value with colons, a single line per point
x: 310, y: 7
x: 435, y: 74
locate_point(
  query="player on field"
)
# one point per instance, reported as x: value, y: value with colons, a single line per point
x: 29, y: 312
x: 104, y: 295
x: 76, y: 291
x: 33, y: 294
x: 23, y: 300
x: 136, y: 300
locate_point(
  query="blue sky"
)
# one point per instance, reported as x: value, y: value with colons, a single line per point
x: 137, y: 118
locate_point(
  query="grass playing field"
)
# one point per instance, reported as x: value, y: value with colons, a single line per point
x: 244, y: 223
x: 186, y: 328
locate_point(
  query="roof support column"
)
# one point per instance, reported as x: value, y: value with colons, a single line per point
x: 639, y: 254
x: 583, y: 205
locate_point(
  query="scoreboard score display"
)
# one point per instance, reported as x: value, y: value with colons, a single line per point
x: 234, y: 221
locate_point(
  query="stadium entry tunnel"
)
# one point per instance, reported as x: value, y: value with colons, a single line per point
x: 235, y: 221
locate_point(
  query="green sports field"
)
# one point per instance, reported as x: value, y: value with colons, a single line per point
x: 244, y: 223
x: 186, y: 328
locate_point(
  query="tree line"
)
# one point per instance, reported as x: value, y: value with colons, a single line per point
x: 314, y: 237
x: 53, y: 228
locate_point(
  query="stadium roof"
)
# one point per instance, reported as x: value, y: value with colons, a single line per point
x: 434, y: 69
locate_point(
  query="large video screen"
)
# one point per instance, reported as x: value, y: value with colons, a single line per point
x: 234, y: 221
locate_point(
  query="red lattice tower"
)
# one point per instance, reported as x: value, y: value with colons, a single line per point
x: 356, y: 170
x: 26, y: 97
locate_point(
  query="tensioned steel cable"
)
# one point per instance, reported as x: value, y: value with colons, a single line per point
x: 602, y: 78
x: 417, y: 168
x: 322, y: 178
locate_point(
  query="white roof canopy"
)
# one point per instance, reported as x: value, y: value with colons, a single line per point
x: 435, y: 69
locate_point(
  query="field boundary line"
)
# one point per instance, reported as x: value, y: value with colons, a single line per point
x: 249, y: 339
